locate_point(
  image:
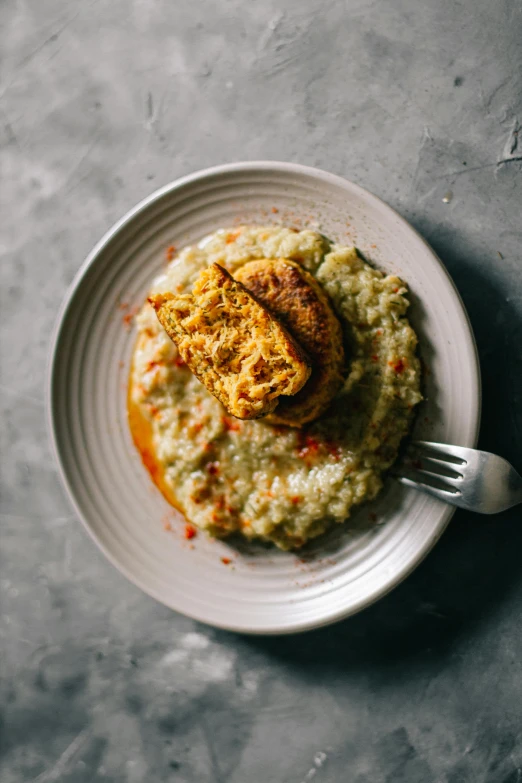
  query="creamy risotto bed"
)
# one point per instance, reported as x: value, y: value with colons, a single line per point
x: 278, y: 484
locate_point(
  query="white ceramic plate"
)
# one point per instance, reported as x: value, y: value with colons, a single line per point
x: 261, y: 590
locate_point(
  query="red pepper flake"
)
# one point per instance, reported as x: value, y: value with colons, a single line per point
x: 399, y: 366
x: 127, y: 318
x: 307, y: 446
x: 275, y: 210
x: 212, y: 468
x: 178, y: 361
x: 232, y: 237
x: 151, y: 366
x: 334, y: 451
x: 190, y: 532
x: 226, y: 560
x: 395, y: 290
x: 295, y: 500
x: 229, y: 425
x: 375, y: 358
x: 170, y: 252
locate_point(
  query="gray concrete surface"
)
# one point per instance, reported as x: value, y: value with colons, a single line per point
x: 102, y: 102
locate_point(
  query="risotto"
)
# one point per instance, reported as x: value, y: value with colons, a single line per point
x: 274, y: 483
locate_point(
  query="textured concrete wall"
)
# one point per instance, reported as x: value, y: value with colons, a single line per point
x: 102, y: 102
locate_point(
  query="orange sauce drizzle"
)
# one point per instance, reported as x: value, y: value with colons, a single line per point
x: 141, y: 431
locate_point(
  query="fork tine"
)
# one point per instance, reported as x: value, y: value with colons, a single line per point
x: 442, y: 449
x: 451, y: 467
x: 442, y: 494
x: 453, y: 482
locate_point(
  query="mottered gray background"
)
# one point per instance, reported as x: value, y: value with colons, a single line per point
x: 102, y: 102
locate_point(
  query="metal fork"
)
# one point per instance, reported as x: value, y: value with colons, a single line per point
x: 468, y: 478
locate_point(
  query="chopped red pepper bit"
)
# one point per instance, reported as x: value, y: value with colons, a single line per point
x: 190, y: 532
x: 212, y: 468
x: 232, y: 237
x: 399, y: 366
x: 170, y: 252
x: 295, y: 500
x: 275, y: 210
x: 226, y: 560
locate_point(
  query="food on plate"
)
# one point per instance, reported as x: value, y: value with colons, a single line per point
x: 232, y: 344
x: 296, y: 298
x: 279, y: 484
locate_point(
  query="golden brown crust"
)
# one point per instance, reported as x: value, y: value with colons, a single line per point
x: 233, y: 344
x: 299, y: 302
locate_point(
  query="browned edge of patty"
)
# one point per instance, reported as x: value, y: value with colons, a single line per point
x: 295, y: 297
